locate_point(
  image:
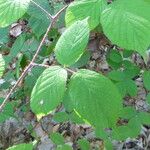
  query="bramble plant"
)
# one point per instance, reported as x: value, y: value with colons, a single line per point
x: 94, y: 98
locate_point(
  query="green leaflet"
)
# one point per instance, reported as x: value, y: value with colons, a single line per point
x: 8, y: 111
x: 115, y: 56
x: 123, y: 80
x: 38, y: 26
x: 24, y: 45
x: 61, y: 117
x: 4, y: 35
x: 127, y: 87
x: 127, y: 24
x: 127, y: 53
x: 108, y: 144
x: 31, y: 79
x: 39, y: 20
x: 64, y: 147
x: 146, y: 79
x: 21, y: 147
x: 144, y: 117
x: 82, y: 9
x: 36, y: 12
x: 84, y: 144
x: 17, y: 46
x: 57, y: 138
x: 12, y: 10
x: 2, y: 65
x: 114, y: 59
x: 116, y: 75
x: 83, y: 60
x: 95, y: 98
x: 148, y: 98
x: 128, y: 113
x: 48, y: 91
x: 132, y: 129
x: 71, y: 45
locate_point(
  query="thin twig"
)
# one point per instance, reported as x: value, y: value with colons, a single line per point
x: 47, y: 66
x: 49, y: 15
x: 70, y: 70
x: 41, y: 65
x: 59, y: 12
x: 53, y: 21
x: 43, y: 40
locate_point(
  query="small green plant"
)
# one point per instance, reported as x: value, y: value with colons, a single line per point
x: 88, y: 96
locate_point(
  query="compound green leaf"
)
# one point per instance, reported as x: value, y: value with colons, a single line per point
x: 82, y: 9
x: 21, y: 147
x: 130, y: 130
x: 133, y: 127
x: 48, y: 91
x: 127, y: 24
x: 2, y: 65
x: 12, y: 10
x: 71, y: 45
x: 95, y: 98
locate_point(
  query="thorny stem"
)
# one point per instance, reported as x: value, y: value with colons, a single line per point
x: 24, y: 73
